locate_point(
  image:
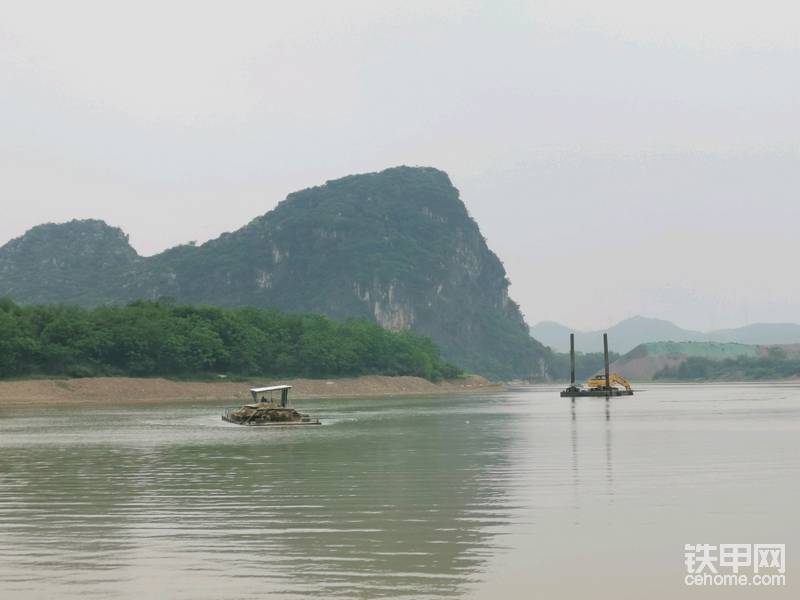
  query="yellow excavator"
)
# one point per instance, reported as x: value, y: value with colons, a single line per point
x: 598, y: 382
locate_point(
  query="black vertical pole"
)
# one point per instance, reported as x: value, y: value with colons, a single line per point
x: 605, y: 357
x: 572, y: 359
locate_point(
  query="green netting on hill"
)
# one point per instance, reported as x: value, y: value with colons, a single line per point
x: 711, y: 350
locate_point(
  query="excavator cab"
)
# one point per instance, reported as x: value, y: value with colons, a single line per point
x: 598, y: 382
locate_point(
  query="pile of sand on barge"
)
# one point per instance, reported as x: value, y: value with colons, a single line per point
x: 263, y: 412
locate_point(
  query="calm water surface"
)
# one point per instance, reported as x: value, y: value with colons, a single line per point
x: 510, y: 495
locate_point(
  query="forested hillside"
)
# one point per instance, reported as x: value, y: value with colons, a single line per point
x: 771, y: 364
x: 157, y: 338
x: 396, y: 247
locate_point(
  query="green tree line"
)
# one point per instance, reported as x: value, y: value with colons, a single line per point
x: 162, y: 339
x: 777, y: 364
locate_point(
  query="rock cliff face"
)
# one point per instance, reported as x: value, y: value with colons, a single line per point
x: 397, y: 247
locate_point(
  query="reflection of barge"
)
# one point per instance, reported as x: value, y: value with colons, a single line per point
x: 266, y: 411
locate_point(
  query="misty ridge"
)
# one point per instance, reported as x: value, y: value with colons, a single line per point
x: 630, y: 333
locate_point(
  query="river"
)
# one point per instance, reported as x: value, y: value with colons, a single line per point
x: 519, y: 494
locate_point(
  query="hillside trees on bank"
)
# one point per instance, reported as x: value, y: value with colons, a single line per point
x: 777, y: 364
x: 162, y: 339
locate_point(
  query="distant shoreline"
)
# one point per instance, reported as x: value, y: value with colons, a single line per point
x: 128, y: 390
x: 637, y: 383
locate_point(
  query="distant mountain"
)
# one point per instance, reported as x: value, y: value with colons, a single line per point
x: 397, y: 247
x: 759, y: 333
x: 622, y: 337
x: 555, y: 335
x: 627, y: 334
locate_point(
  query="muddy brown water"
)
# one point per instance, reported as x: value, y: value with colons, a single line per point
x: 505, y: 495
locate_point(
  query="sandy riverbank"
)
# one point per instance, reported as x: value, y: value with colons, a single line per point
x: 125, y: 390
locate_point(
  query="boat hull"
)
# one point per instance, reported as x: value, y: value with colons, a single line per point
x: 273, y: 423
x: 595, y: 393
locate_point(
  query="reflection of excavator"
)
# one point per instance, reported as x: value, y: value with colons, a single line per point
x: 598, y: 382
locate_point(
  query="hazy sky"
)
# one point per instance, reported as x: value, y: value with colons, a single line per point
x: 621, y: 157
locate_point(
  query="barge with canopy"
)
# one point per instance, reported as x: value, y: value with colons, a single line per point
x: 267, y: 410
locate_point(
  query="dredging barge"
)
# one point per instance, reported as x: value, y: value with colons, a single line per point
x: 266, y: 412
x: 598, y: 386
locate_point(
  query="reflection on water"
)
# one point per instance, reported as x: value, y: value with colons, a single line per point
x: 388, y: 499
x: 520, y: 494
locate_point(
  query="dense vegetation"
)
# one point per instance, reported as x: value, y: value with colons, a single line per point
x: 586, y: 365
x: 777, y: 364
x: 157, y: 338
x: 396, y: 247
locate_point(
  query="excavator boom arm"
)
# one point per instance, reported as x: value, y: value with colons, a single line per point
x: 613, y: 379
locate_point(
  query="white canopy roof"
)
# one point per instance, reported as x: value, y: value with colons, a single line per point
x: 272, y: 388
